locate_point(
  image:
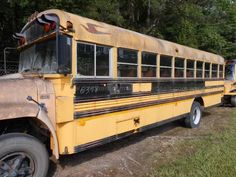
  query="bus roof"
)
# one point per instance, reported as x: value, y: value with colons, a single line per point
x: 89, y: 30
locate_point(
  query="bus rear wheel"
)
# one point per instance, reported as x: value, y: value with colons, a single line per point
x: 194, y: 118
x: 233, y: 101
x: 22, y: 155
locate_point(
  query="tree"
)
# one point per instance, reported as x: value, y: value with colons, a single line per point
x: 207, y: 24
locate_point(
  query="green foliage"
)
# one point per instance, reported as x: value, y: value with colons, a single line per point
x: 213, y: 155
x: 208, y: 24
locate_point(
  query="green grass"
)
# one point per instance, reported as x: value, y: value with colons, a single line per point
x: 213, y: 156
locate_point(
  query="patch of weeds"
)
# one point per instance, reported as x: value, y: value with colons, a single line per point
x: 211, y: 156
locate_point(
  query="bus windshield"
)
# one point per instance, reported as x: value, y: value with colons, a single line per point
x: 40, y: 58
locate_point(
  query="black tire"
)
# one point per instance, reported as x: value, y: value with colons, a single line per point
x: 194, y: 118
x: 27, y: 154
x: 233, y: 101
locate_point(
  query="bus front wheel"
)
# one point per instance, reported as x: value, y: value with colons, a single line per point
x: 194, y: 118
x: 22, y: 155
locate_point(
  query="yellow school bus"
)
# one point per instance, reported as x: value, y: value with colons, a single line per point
x: 83, y: 83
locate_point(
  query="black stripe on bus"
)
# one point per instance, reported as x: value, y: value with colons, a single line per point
x: 139, y: 94
x: 234, y: 90
x: 114, y: 89
x: 110, y: 139
x: 96, y: 112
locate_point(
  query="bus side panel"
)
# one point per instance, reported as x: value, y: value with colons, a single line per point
x: 64, y: 100
x: 212, y: 100
x: 214, y: 83
x: 182, y: 107
x: 95, y: 129
x: 87, y: 130
x: 99, y: 127
x: 66, y: 134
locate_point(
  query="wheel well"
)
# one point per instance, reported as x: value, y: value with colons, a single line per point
x: 30, y: 126
x: 199, y: 100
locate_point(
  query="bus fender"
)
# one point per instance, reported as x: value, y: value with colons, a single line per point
x: 42, y: 116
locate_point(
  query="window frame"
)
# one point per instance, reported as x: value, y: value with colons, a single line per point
x: 209, y: 71
x: 146, y: 65
x: 214, y: 70
x: 197, y: 69
x: 191, y: 69
x: 130, y: 64
x: 95, y: 59
x: 179, y: 68
x: 166, y: 67
x: 219, y: 65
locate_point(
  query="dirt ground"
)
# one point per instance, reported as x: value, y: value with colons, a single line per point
x: 136, y: 155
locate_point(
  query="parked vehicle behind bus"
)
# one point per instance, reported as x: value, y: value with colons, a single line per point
x: 230, y: 83
x: 83, y: 83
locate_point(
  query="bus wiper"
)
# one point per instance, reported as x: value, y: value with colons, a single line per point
x: 36, y: 69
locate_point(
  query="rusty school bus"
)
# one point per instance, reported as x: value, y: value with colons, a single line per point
x: 83, y: 83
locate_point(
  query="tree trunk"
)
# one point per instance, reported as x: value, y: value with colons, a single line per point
x: 148, y: 13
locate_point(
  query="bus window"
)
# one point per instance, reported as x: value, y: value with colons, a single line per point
x: 190, y: 68
x: 148, y: 64
x: 207, y: 70
x: 165, y: 66
x: 127, y: 63
x: 214, y: 70
x: 102, y: 60
x: 85, y: 59
x: 179, y: 67
x: 199, y: 69
x: 221, y: 71
x: 91, y: 57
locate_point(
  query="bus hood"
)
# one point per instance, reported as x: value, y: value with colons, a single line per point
x: 14, y: 90
x: 12, y: 76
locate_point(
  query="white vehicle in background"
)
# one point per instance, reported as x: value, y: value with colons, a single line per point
x: 230, y: 82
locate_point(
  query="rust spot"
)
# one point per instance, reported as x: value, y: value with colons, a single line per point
x: 92, y: 28
x: 82, y: 123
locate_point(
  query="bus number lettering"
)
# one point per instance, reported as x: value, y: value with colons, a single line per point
x: 86, y: 90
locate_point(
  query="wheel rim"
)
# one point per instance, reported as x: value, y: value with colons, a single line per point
x: 196, y: 115
x: 17, y: 164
